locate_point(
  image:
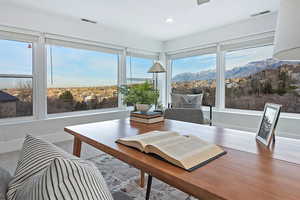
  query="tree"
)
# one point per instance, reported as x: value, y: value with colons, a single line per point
x: 80, y: 106
x: 66, y: 96
x: 268, y: 88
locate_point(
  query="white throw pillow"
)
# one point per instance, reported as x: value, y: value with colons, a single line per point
x: 186, y: 100
x: 66, y: 179
x: 36, y: 155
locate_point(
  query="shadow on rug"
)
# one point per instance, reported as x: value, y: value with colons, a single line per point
x: 122, y: 180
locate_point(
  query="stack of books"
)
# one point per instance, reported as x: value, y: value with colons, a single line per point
x: 147, y: 118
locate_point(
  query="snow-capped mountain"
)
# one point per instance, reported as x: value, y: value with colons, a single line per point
x: 237, y: 72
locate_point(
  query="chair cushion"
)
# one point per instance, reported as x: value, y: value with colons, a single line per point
x: 186, y: 100
x: 36, y: 155
x: 5, y: 177
x: 65, y: 179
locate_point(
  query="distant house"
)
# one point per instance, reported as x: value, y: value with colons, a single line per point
x: 8, y: 105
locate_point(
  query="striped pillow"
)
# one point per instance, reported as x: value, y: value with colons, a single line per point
x: 36, y: 155
x: 66, y: 179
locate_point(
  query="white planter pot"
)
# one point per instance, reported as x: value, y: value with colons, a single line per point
x: 143, y: 107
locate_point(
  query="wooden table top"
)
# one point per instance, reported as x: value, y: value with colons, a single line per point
x: 248, y: 171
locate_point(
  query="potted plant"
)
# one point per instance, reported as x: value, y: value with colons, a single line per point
x: 142, y: 96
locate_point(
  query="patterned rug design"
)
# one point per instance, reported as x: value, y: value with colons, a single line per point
x: 122, y: 178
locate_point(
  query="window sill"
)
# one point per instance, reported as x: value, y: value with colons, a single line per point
x: 84, y: 113
x: 21, y: 120
x: 251, y: 112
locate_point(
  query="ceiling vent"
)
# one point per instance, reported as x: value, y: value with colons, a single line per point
x: 88, y: 21
x: 200, y: 2
x: 260, y: 13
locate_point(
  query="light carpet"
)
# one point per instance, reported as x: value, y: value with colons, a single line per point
x: 122, y: 180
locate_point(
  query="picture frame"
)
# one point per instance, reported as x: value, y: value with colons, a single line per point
x: 268, y: 123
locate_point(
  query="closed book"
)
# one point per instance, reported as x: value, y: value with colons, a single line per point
x: 147, y: 115
x: 147, y: 121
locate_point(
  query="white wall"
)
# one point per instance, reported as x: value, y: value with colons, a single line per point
x: 12, y: 135
x: 249, y: 121
x: 244, y: 28
x: 41, y: 22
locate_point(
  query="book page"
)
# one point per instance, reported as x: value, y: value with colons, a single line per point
x: 148, y: 138
x: 185, y: 151
x: 181, y: 146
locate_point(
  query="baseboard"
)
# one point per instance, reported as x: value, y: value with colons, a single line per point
x: 15, y: 145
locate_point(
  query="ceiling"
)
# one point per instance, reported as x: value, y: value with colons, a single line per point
x: 147, y: 17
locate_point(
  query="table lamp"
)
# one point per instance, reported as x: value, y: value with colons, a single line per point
x: 155, y: 69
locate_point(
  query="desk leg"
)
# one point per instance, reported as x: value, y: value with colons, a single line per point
x: 149, y: 187
x: 142, y: 179
x: 77, y: 147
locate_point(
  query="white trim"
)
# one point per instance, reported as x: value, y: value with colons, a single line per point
x: 220, y: 76
x: 247, y: 44
x: 138, y: 53
x: 29, y: 119
x: 193, y: 52
x: 40, y: 79
x: 16, y: 120
x: 84, y: 113
x: 168, y: 81
x: 20, y: 37
x: 121, y: 76
x: 82, y: 44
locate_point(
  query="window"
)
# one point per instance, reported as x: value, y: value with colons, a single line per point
x: 254, y: 78
x: 195, y: 75
x: 16, y: 79
x: 137, y: 69
x: 80, y: 79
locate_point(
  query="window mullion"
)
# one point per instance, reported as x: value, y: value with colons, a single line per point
x: 39, y: 80
x: 121, y: 75
x: 220, y: 90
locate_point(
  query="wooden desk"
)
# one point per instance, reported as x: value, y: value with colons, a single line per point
x: 249, y: 171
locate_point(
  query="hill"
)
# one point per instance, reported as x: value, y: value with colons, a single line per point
x: 237, y: 72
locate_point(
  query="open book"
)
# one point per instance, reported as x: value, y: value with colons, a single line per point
x: 188, y: 152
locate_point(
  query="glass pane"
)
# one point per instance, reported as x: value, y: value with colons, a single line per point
x: 81, y: 80
x: 195, y: 75
x: 15, y: 57
x: 15, y: 97
x: 254, y: 78
x: 137, y: 69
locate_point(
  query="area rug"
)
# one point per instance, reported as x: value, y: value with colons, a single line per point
x: 122, y: 181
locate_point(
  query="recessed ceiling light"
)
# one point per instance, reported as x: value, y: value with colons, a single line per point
x: 169, y: 20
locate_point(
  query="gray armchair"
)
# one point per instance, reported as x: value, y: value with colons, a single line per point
x: 187, y: 108
x: 185, y: 114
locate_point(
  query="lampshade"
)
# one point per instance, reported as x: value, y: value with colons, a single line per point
x: 287, y: 36
x: 157, y: 68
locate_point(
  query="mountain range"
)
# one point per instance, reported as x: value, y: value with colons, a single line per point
x: 237, y: 72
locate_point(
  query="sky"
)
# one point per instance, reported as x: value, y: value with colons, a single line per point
x: 232, y: 59
x: 84, y: 68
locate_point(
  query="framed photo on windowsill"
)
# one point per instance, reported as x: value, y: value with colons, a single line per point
x: 268, y: 123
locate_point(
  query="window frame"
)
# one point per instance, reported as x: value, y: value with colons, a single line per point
x: 232, y: 110
x: 171, y: 56
x: 11, y: 35
x: 143, y: 55
x: 89, y: 46
x: 222, y: 47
